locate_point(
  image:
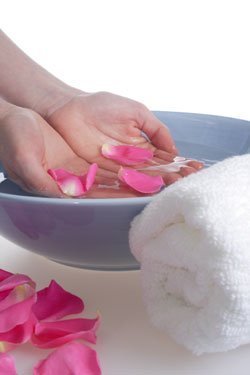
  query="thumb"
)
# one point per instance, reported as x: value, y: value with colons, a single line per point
x: 157, y: 132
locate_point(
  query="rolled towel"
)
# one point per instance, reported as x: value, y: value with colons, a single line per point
x: 193, y: 243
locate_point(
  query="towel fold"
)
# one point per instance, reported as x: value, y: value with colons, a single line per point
x: 193, y: 243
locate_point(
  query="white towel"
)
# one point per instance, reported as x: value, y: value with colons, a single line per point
x: 193, y: 243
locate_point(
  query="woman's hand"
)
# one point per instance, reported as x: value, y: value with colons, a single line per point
x: 29, y: 147
x: 87, y: 121
x: 23, y: 151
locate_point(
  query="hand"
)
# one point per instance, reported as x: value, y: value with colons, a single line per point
x: 29, y: 147
x: 87, y: 121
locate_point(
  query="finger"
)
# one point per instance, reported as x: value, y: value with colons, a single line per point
x: 186, y: 171
x: 79, y: 167
x: 163, y: 155
x: 170, y: 178
x: 157, y: 132
x: 107, y: 182
x: 36, y: 180
x: 196, y: 164
x: 160, y: 161
x: 126, y: 133
x: 106, y: 173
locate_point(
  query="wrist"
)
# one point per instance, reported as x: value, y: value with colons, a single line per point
x: 26, y: 84
x: 52, y: 96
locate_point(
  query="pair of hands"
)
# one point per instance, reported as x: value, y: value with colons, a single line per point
x: 71, y: 135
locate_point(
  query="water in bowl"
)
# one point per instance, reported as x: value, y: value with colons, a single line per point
x: 206, y: 154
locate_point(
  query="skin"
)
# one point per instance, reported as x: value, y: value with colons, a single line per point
x: 45, y: 123
x: 27, y: 159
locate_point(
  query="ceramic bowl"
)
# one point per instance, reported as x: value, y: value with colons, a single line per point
x: 93, y: 233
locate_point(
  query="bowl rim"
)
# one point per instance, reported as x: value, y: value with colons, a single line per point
x: 76, y: 201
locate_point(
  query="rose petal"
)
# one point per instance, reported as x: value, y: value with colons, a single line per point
x: 71, y: 184
x: 4, y: 294
x: 141, y: 182
x: 71, y: 359
x: 54, y: 302
x: 90, y: 176
x: 53, y: 334
x: 20, y: 333
x: 15, y: 280
x: 58, y: 174
x: 4, y: 274
x: 7, y: 365
x: 126, y: 154
x: 6, y: 347
x: 15, y: 308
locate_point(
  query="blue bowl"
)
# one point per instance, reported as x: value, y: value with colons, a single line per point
x: 93, y: 233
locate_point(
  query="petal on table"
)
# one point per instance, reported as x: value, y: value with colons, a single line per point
x: 71, y: 359
x: 4, y: 274
x: 71, y: 184
x: 16, y: 307
x: 53, y: 334
x: 15, y: 280
x: 4, y: 294
x: 7, y: 365
x: 54, y: 303
x: 6, y: 347
x: 126, y: 154
x: 20, y: 333
x: 141, y: 182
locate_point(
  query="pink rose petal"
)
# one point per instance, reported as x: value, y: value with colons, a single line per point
x: 19, y: 324
x: 15, y: 308
x: 71, y: 184
x: 53, y: 334
x: 126, y: 154
x: 141, y: 182
x: 71, y: 359
x: 20, y: 333
x: 4, y: 274
x: 6, y: 346
x: 7, y: 365
x: 5, y: 291
x: 4, y: 294
x: 59, y: 174
x: 15, y: 280
x: 54, y: 302
x: 90, y: 176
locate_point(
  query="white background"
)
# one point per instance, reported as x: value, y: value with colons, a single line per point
x: 190, y: 56
x: 180, y: 55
